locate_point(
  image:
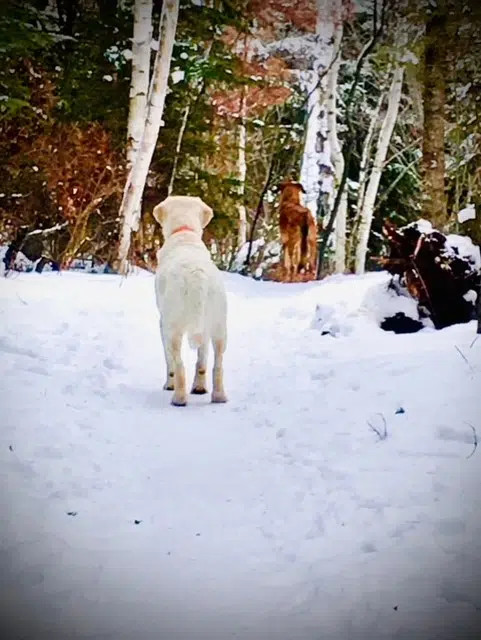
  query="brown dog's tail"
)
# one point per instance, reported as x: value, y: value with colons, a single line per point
x: 304, y: 237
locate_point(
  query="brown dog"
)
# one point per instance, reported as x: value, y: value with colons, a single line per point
x: 298, y: 231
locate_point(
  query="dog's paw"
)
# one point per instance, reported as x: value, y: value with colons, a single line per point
x: 218, y: 396
x: 168, y: 386
x: 198, y: 390
x: 178, y: 402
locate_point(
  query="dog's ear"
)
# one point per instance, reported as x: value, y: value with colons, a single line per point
x: 159, y: 213
x: 206, y: 214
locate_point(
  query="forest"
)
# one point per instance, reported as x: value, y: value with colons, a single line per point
x: 108, y: 106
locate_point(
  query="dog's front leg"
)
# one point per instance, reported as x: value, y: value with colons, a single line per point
x: 218, y: 393
x: 179, y: 398
x: 169, y: 365
x: 199, y: 386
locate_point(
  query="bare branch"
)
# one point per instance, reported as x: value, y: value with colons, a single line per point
x: 382, y: 435
x: 471, y: 368
x: 475, y: 440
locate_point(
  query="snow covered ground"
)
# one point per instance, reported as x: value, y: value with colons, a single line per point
x: 280, y: 515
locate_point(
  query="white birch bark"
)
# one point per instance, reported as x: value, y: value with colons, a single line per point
x: 337, y: 157
x: 130, y: 207
x: 242, y: 172
x: 363, y: 173
x: 366, y: 153
x: 316, y: 167
x: 139, y: 84
x: 387, y: 127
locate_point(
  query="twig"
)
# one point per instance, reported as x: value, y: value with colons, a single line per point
x: 382, y: 435
x: 475, y: 440
x: 464, y: 358
x: 474, y: 341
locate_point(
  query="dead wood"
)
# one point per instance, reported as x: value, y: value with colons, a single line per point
x: 433, y: 272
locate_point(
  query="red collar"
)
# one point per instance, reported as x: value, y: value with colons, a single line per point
x: 185, y: 227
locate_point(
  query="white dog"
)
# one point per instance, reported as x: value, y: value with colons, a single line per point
x: 190, y: 296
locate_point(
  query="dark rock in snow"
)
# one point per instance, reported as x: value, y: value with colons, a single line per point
x: 401, y: 323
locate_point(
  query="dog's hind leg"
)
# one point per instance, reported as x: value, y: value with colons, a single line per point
x: 218, y: 393
x: 169, y: 365
x: 179, y: 398
x: 198, y: 386
x: 296, y: 259
x: 286, y: 259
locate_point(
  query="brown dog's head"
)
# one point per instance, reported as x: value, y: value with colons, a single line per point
x: 291, y: 191
x: 176, y: 212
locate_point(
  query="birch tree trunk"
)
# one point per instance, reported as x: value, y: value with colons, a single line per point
x: 363, y: 173
x: 242, y: 171
x: 316, y: 166
x: 337, y: 157
x: 387, y: 127
x: 139, y: 84
x: 130, y: 208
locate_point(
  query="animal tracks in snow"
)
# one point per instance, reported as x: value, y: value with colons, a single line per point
x: 304, y: 517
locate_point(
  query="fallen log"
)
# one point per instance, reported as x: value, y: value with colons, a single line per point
x: 40, y: 246
x: 442, y: 273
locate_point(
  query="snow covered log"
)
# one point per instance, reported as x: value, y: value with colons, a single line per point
x: 442, y: 273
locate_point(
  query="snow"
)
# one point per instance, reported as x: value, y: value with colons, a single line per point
x: 279, y: 515
x: 177, y: 76
x: 468, y: 213
x: 456, y: 245
x: 465, y: 248
x: 244, y: 250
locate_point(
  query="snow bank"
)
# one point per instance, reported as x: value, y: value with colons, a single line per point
x: 281, y: 514
x: 378, y: 303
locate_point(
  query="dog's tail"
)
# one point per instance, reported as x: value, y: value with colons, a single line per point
x: 197, y: 295
x: 304, y: 238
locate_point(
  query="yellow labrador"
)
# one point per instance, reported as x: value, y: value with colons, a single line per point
x: 190, y: 296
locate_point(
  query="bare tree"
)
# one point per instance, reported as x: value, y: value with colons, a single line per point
x: 387, y: 127
x: 434, y: 99
x: 139, y: 85
x: 130, y: 208
x: 316, y: 167
x: 337, y: 157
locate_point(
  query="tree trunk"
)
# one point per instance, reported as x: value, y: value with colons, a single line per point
x: 337, y: 157
x: 130, y: 208
x: 479, y: 309
x: 316, y: 167
x: 242, y: 171
x: 434, y: 97
x: 363, y: 173
x: 387, y: 127
x: 139, y: 84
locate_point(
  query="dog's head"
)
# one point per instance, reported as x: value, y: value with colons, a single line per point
x: 291, y: 191
x: 176, y: 212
